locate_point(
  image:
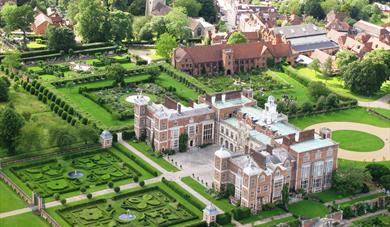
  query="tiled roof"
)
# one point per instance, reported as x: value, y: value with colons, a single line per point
x: 301, y: 30
x: 41, y: 18
x: 213, y: 53
x: 370, y: 28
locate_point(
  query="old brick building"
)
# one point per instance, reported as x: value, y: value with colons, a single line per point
x: 260, y: 151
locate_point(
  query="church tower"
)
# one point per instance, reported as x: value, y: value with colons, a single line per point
x: 151, y: 5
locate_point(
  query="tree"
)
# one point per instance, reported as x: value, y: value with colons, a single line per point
x: 30, y: 139
x: 138, y: 24
x: 177, y: 23
x: 137, y: 7
x: 146, y: 33
x: 313, y: 8
x: 380, y: 56
x: 307, y: 107
x: 72, y: 10
x: 88, y: 134
x: 165, y: 45
x: 183, y: 142
x: 285, y: 196
x: 350, y: 180
x: 327, y: 67
x: 92, y: 21
x: 317, y: 89
x: 320, y: 105
x: 332, y: 100
x: 11, y: 124
x: 121, y: 5
x: 192, y: 6
x: 385, y: 182
x: 12, y: 60
x: 365, y: 77
x: 344, y: 58
x: 315, y: 65
x: 237, y: 37
x: 60, y: 38
x: 221, y: 26
x: 292, y: 107
x: 4, y: 90
x: 158, y: 26
x: 117, y: 72
x: 121, y: 26
x: 208, y: 11
x: 377, y: 171
x: 17, y: 17
x: 62, y: 137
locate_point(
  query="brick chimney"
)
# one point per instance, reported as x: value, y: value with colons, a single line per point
x: 179, y: 108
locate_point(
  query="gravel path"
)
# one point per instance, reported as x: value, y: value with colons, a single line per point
x: 383, y: 133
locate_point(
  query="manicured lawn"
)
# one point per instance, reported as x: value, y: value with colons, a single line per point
x: 182, y: 91
x: 297, y: 92
x: 129, y: 65
x: 276, y: 222
x: 98, y: 167
x: 357, y: 164
x: 336, y: 85
x: 357, y: 141
x: 223, y: 204
x: 9, y: 200
x: 384, y: 112
x: 158, y: 207
x: 146, y: 150
x: 24, y: 220
x: 362, y: 198
x: 263, y: 215
x: 384, y: 220
x: 308, y: 209
x: 330, y: 195
x: 35, y: 45
x: 357, y: 115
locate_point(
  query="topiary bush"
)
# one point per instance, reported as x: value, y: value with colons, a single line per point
x: 83, y: 189
x: 110, y: 184
x: 142, y: 183
x: 89, y: 196
x: 63, y: 201
x: 56, y: 196
x: 117, y: 189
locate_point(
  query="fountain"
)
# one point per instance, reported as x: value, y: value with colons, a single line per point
x: 75, y: 174
x: 126, y: 217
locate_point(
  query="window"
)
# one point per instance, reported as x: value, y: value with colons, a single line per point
x: 175, y: 144
x: 329, y: 166
x: 306, y: 157
x: 318, y: 169
x: 222, y: 129
x: 191, y: 130
x: 208, y: 132
x: 305, y: 171
x: 318, y: 155
x: 175, y: 133
x: 262, y: 178
x: 163, y: 125
x: 265, y: 189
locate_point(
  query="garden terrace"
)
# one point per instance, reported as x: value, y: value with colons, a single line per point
x: 153, y: 205
x: 52, y: 176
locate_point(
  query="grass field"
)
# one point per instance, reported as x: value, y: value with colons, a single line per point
x: 222, y: 204
x: 308, y: 209
x: 185, y: 93
x: 357, y: 141
x: 357, y: 115
x: 330, y: 195
x: 24, y: 220
x: 298, y: 91
x: 362, y: 198
x: 53, y: 211
x: 263, y: 215
x: 9, y: 200
x: 357, y: 164
x: 384, y: 112
x: 276, y: 222
x: 146, y: 150
x: 335, y: 84
x: 373, y: 221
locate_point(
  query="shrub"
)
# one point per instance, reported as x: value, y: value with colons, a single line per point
x: 135, y: 178
x: 89, y: 196
x: 142, y: 183
x: 224, y: 219
x: 117, y: 189
x: 240, y: 213
x: 56, y: 196
x: 110, y: 184
x: 63, y: 201
x: 83, y: 189
x: 307, y: 107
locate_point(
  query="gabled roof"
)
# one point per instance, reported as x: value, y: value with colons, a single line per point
x: 301, y: 30
x: 338, y: 25
x: 369, y: 28
x: 333, y: 15
x: 42, y: 18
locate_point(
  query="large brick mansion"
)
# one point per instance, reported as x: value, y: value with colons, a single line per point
x: 260, y: 150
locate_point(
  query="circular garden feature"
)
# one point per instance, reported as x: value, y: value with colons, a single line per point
x: 359, y: 141
x: 308, y: 209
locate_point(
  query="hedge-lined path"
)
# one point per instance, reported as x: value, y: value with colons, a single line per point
x: 343, y: 200
x: 379, y: 103
x: 383, y: 133
x: 266, y: 220
x: 349, y: 221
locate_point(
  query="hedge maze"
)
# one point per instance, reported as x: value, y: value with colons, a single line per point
x: 52, y: 176
x: 149, y: 207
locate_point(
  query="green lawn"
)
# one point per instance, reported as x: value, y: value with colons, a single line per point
x: 53, y: 211
x: 330, y: 195
x: 9, y: 199
x: 362, y: 198
x: 358, y: 164
x: 146, y: 150
x: 223, y: 204
x: 357, y: 141
x: 262, y: 215
x: 183, y: 92
x: 35, y: 45
x: 335, y: 84
x: 384, y: 112
x: 308, y: 209
x: 371, y: 221
x: 24, y: 220
x: 357, y: 115
x: 298, y: 91
x: 276, y: 222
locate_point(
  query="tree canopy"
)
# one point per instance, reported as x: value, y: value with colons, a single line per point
x: 165, y: 45
x: 344, y: 58
x: 121, y: 25
x: 192, y: 6
x: 350, y: 180
x: 237, y: 37
x: 60, y: 38
x: 11, y: 124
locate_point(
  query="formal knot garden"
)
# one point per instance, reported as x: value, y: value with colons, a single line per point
x: 151, y: 206
x: 70, y: 174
